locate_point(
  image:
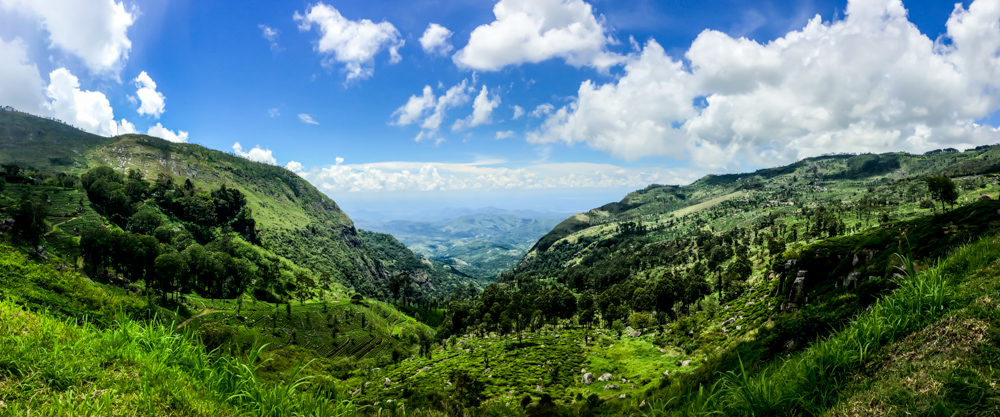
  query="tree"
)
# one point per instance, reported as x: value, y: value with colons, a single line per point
x: 303, y: 286
x: 399, y: 284
x: 171, y: 271
x: 96, y: 247
x: 144, y: 222
x: 741, y: 269
x: 468, y: 390
x: 942, y: 189
x: 29, y: 218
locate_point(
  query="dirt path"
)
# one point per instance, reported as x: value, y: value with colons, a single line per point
x: 55, y: 227
x: 202, y: 313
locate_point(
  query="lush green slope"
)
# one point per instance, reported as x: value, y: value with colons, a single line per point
x: 45, y: 144
x: 866, y: 184
x: 428, y: 276
x: 69, y: 347
x: 294, y: 219
x: 926, y: 349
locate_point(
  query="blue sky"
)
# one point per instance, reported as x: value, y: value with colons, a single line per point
x: 555, y: 104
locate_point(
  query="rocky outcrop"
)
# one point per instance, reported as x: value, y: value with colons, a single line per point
x: 588, y: 378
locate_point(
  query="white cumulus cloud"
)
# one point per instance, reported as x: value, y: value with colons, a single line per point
x: 271, y: 34
x: 870, y: 82
x: 518, y: 112
x: 87, y: 110
x: 505, y: 135
x: 353, y: 43
x: 432, y: 109
x: 96, y: 31
x: 532, y: 31
x: 21, y: 85
x: 163, y: 133
x: 295, y: 167
x: 258, y: 154
x: 151, y: 102
x: 125, y: 128
x: 435, y: 40
x: 481, y: 176
x: 415, y: 107
x: 482, y: 111
x: 543, y: 110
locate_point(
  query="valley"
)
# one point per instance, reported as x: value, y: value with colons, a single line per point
x: 173, y: 279
x: 482, y: 245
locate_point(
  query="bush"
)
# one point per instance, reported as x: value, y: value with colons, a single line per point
x: 642, y: 320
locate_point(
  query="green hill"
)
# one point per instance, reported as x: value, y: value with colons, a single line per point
x: 294, y: 220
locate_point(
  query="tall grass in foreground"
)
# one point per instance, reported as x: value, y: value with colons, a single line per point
x: 811, y: 381
x: 58, y: 368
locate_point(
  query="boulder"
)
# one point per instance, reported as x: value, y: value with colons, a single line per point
x: 387, y: 382
x: 798, y: 288
x: 685, y: 363
x: 612, y: 387
x: 588, y: 378
x: 623, y: 396
x: 538, y: 388
x: 604, y: 378
x: 852, y: 280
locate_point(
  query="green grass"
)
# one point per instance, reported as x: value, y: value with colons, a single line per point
x: 55, y: 367
x: 63, y: 293
x: 71, y: 347
x: 813, y: 381
x: 335, y: 333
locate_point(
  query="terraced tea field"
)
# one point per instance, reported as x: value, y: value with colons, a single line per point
x: 333, y: 329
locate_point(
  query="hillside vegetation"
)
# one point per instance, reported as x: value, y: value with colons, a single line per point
x: 152, y: 278
x: 292, y: 218
x: 671, y: 289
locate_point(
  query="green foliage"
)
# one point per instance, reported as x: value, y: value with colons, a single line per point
x: 942, y: 189
x: 404, y: 265
x: 829, y: 365
x: 63, y: 294
x: 151, y: 370
x: 29, y: 218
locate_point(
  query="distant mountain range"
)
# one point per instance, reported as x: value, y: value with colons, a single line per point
x: 368, y: 217
x: 481, y: 245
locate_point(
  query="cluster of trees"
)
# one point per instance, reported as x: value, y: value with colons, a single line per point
x: 212, y: 270
x: 131, y: 203
x: 15, y: 174
x: 29, y: 218
x: 177, y: 238
x: 505, y: 309
x: 942, y: 189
